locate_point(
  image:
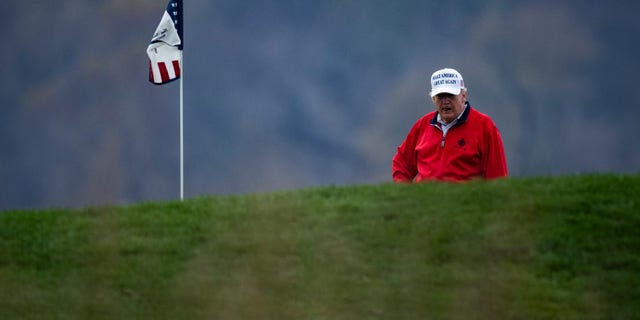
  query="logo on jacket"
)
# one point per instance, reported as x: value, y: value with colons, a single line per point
x: 461, y: 144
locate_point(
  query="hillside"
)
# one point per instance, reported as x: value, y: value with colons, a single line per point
x: 527, y: 248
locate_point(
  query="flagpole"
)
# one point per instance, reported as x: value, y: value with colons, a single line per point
x: 181, y: 128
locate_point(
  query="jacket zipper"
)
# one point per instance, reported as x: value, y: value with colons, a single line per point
x: 443, y: 135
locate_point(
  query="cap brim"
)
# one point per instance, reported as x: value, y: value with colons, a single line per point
x: 443, y: 89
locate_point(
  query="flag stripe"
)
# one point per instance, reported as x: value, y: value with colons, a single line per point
x: 176, y: 68
x: 151, y: 71
x: 164, y: 74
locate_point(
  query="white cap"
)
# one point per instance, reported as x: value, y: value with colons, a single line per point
x: 446, y: 80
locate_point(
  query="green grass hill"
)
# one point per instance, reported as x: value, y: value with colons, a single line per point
x: 521, y: 248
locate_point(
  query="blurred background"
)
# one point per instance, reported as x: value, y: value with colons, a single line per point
x: 289, y: 94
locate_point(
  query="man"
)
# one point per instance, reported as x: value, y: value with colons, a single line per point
x: 453, y: 143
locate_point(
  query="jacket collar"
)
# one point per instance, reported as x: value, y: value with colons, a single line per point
x: 462, y: 118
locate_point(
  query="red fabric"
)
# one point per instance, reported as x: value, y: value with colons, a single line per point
x: 472, y: 149
x: 176, y: 67
x: 164, y: 73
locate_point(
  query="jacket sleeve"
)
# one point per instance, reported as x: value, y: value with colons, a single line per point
x: 404, y: 162
x: 494, y: 161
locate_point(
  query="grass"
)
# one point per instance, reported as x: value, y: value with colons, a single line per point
x: 526, y: 248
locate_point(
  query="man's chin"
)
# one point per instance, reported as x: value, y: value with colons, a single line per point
x: 447, y: 117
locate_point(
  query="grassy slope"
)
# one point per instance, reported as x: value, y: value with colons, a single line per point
x: 534, y: 248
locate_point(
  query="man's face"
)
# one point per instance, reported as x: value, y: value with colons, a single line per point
x: 450, y: 106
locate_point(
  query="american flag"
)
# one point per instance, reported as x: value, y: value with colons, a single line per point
x: 165, y: 49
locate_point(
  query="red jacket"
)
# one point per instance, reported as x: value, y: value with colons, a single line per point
x: 472, y: 148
